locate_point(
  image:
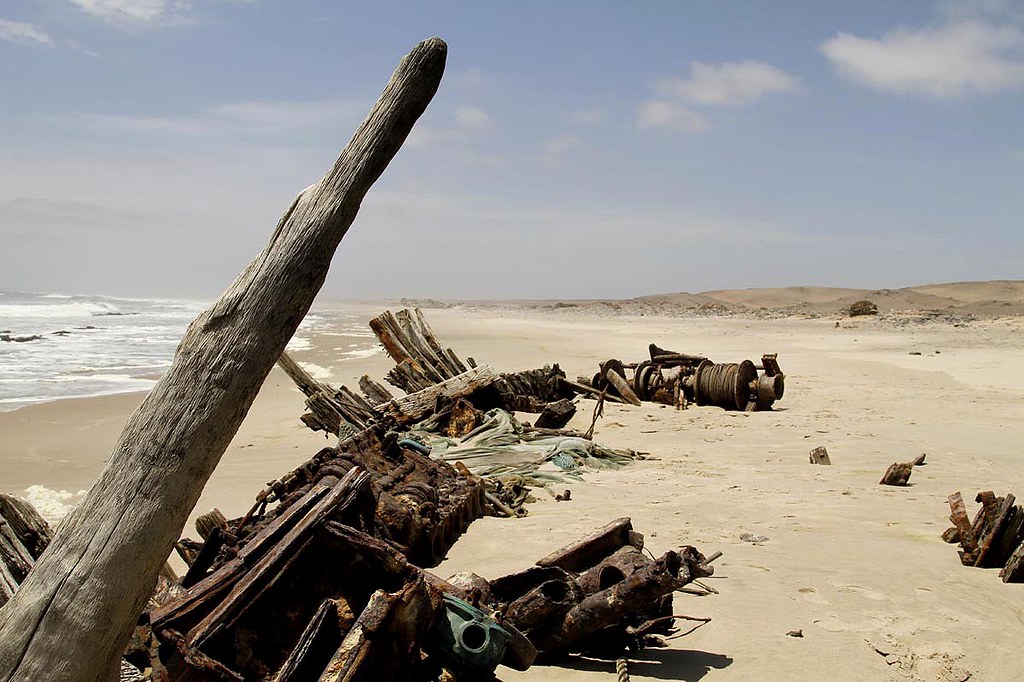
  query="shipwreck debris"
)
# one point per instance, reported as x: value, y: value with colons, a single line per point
x: 819, y: 455
x: 678, y: 379
x: 434, y: 379
x: 599, y: 593
x: 319, y: 588
x: 897, y: 474
x: 994, y: 539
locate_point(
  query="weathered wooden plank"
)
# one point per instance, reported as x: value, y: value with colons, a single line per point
x: 384, y: 643
x: 1013, y: 571
x: 421, y: 349
x: 898, y: 473
x: 958, y: 517
x: 408, y: 376
x: 590, y: 390
x: 393, y: 344
x: 417, y: 405
x: 315, y: 646
x: 587, y: 551
x: 8, y: 583
x: 13, y: 554
x: 225, y: 577
x: 33, y: 531
x: 303, y: 379
x: 271, y: 565
x: 455, y: 365
x: 622, y: 387
x: 374, y: 392
x: 74, y: 614
x: 991, y: 539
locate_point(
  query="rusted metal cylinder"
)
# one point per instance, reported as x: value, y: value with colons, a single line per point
x: 768, y: 390
x: 546, y: 603
x: 726, y: 385
x: 661, y: 577
x: 623, y: 563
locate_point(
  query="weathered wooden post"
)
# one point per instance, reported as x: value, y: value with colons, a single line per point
x: 73, y: 615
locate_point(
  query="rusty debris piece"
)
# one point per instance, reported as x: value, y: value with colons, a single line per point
x: 601, y: 593
x: 316, y: 590
x: 678, y: 379
x: 459, y: 414
x: 323, y: 579
x: 433, y: 378
x: 995, y: 539
x: 819, y: 455
x: 897, y: 474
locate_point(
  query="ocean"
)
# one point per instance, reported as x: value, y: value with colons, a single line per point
x: 55, y: 346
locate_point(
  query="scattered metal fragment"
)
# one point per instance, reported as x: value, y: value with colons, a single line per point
x: 897, y: 474
x: 819, y: 455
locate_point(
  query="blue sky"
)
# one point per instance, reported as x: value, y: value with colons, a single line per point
x: 574, y: 150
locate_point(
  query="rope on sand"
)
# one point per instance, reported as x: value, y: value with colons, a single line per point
x: 622, y: 670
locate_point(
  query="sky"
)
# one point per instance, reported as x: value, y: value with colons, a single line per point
x: 575, y: 149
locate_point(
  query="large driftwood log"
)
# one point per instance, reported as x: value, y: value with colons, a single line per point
x: 74, y: 613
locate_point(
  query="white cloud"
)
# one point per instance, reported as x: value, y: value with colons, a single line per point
x: 553, y: 151
x: 141, y: 12
x: 671, y: 116
x: 71, y: 44
x: 945, y: 61
x: 23, y: 34
x: 728, y: 84
x: 264, y: 119
x: 130, y: 11
x: 467, y: 123
x: 472, y: 119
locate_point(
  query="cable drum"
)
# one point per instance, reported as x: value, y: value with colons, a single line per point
x: 724, y: 385
x: 647, y: 379
x: 769, y: 389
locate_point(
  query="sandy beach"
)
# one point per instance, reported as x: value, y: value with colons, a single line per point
x: 859, y: 568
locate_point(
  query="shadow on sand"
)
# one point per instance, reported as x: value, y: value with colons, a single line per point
x: 661, y: 664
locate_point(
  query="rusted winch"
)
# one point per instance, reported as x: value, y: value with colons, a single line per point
x: 675, y: 378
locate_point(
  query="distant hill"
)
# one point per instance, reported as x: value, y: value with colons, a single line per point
x: 959, y: 300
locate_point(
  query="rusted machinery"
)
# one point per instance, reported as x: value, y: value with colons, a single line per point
x: 322, y: 587
x: 599, y: 594
x: 676, y: 379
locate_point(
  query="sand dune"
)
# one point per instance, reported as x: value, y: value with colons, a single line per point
x: 960, y: 300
